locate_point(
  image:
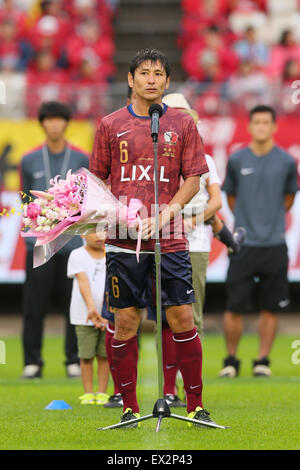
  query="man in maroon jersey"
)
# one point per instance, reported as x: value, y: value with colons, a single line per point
x: 123, y: 150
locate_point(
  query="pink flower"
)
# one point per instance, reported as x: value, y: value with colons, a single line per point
x: 61, y: 200
x: 33, y: 211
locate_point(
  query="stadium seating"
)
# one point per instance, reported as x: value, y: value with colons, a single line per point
x: 63, y: 49
x: 236, y: 53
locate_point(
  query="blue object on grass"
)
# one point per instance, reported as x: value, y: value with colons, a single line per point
x: 58, y: 405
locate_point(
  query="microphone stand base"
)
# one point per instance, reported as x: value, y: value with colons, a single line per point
x: 161, y: 410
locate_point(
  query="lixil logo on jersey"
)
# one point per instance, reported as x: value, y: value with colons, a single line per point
x: 171, y: 138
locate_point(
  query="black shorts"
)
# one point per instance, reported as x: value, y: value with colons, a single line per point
x: 107, y: 309
x: 129, y: 280
x: 257, y: 280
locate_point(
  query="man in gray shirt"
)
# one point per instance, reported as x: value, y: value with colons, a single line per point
x: 55, y: 157
x: 261, y: 183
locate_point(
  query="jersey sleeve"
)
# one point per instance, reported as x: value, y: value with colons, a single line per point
x: 193, y: 162
x: 230, y: 183
x: 291, y: 186
x: 74, y: 264
x: 100, y: 162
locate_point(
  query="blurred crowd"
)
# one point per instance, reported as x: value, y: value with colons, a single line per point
x: 235, y: 53
x: 55, y: 43
x: 241, y: 50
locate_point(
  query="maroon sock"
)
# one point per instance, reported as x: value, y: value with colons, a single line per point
x: 189, y: 360
x: 110, y: 330
x: 169, y: 361
x: 124, y: 360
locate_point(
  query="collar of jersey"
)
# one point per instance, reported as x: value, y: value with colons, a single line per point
x: 144, y: 117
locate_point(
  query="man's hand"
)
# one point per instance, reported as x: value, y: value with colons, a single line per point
x: 96, y: 318
x: 148, y: 228
x: 189, y: 224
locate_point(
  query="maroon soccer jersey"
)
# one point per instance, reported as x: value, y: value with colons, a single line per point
x: 123, y: 150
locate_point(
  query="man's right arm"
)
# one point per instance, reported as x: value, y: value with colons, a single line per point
x: 100, y: 161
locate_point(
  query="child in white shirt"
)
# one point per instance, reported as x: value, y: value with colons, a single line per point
x: 87, y: 267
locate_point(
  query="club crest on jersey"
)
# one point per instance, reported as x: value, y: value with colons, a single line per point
x: 171, y: 138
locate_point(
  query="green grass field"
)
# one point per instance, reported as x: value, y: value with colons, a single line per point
x: 261, y: 413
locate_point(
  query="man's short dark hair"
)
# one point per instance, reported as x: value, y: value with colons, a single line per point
x: 152, y: 55
x: 263, y: 109
x: 54, y: 109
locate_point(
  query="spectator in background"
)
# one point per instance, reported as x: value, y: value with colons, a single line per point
x: 224, y: 6
x: 55, y: 157
x: 287, y: 49
x: 247, y: 86
x: 205, y: 14
x: 89, y: 44
x: 44, y: 70
x: 208, y: 59
x: 15, y: 54
x: 88, y: 91
x: 51, y: 29
x: 251, y: 50
x: 291, y: 72
x: 196, y: 7
x: 10, y: 11
x: 97, y: 10
x: 45, y: 82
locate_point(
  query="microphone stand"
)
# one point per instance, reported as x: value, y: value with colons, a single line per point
x: 161, y: 408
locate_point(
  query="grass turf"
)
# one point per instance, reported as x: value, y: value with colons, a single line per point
x: 261, y: 413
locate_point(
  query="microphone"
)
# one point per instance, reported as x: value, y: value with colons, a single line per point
x: 155, y: 112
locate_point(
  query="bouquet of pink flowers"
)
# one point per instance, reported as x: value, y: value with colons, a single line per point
x: 78, y: 205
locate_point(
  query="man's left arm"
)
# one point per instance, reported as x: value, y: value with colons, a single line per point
x: 187, y: 191
x: 291, y: 186
x: 193, y: 165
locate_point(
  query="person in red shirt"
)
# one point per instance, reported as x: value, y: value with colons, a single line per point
x: 89, y: 44
x: 123, y: 150
x: 44, y: 81
x: 204, y: 14
x: 88, y: 92
x: 9, y: 11
x: 82, y: 10
x: 286, y: 49
x: 51, y: 29
x: 14, y: 53
x: 207, y: 59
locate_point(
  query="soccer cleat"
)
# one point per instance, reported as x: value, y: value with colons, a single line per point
x: 32, y: 371
x: 73, y: 371
x: 200, y: 414
x: 174, y: 401
x: 128, y: 416
x: 239, y: 236
x: 87, y: 399
x: 101, y: 398
x: 231, y: 367
x: 261, y: 367
x: 115, y: 401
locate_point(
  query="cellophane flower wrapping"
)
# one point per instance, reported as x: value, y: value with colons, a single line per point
x: 78, y: 205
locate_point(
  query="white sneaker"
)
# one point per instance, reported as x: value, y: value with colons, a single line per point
x: 73, y: 371
x: 32, y: 371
